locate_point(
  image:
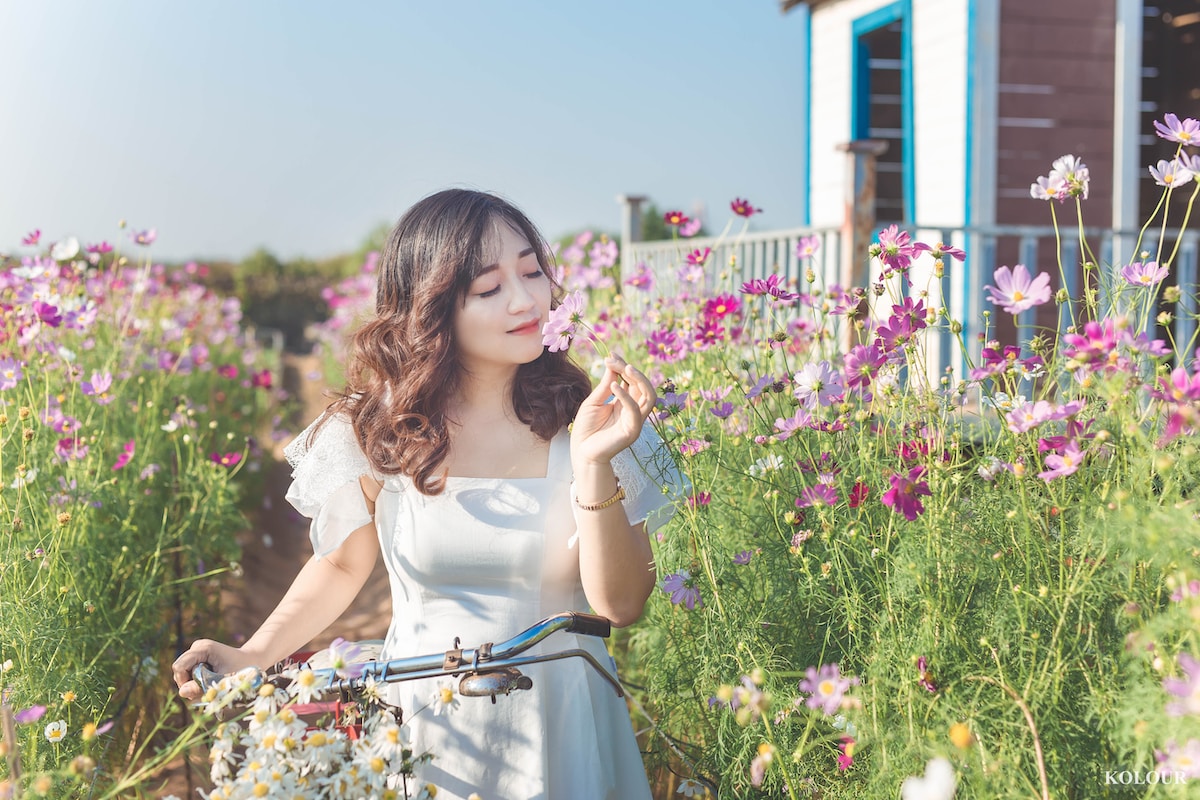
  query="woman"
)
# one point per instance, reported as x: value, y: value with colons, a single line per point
x: 449, y: 453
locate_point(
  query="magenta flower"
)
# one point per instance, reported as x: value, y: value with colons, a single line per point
x: 697, y: 258
x: 905, y: 495
x: 32, y: 237
x: 925, y: 677
x: 818, y: 385
x: 1059, y: 466
x: 862, y: 364
x: 807, y: 246
x: 144, y: 238
x: 261, y: 379
x: 743, y: 208
x: 48, y: 314
x: 126, y: 455
x: 722, y: 306
x: 1170, y: 173
x: 31, y: 714
x: 71, y: 448
x: 895, y: 249
x: 1144, y: 274
x: 666, y: 345
x: 1015, y: 291
x: 99, y: 249
x: 675, y: 218
x: 858, y: 494
x: 826, y: 687
x: 771, y: 285
x: 682, y: 589
x: 1188, y: 689
x: 225, y: 459
x: 1175, y: 130
x: 699, y: 499
x: 820, y: 494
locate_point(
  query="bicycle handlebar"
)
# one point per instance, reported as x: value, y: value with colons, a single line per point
x: 457, y: 660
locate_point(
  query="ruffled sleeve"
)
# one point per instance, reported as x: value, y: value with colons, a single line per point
x: 654, y: 486
x: 325, y: 485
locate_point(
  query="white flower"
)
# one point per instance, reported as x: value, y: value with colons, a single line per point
x: 56, y: 730
x: 691, y: 788
x: 6, y: 666
x: 766, y: 464
x: 387, y: 739
x: 307, y: 686
x: 938, y: 783
x: 23, y: 479
x: 65, y: 250
x: 444, y: 699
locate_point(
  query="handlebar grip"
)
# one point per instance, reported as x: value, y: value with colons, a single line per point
x: 590, y: 625
x: 205, y: 675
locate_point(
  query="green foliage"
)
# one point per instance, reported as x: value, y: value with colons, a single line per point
x: 131, y: 411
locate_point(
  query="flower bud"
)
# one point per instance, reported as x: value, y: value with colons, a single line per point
x: 1171, y: 294
x: 1061, y: 296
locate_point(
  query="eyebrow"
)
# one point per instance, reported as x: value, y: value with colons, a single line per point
x: 528, y: 251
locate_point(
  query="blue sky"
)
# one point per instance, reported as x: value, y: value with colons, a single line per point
x: 301, y: 126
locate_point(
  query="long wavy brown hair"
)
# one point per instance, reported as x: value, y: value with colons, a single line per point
x: 404, y: 365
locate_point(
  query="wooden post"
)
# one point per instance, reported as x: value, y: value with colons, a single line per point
x: 631, y: 229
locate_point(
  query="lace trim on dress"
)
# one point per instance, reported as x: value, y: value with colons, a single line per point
x: 652, y: 481
x: 325, y: 483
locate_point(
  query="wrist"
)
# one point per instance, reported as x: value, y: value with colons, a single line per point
x: 617, y: 496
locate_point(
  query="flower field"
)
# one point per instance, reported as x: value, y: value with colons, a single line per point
x: 984, y: 584
x: 132, y: 404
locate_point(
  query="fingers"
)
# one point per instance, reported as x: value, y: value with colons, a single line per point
x: 181, y: 669
x: 190, y: 690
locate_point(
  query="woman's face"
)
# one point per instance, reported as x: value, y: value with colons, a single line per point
x: 500, y: 321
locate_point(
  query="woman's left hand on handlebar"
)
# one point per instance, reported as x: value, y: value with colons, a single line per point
x: 602, y: 428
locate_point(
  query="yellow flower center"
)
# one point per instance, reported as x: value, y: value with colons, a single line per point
x: 1018, y: 296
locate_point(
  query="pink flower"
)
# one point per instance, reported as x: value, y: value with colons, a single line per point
x: 675, y: 218
x: 771, y: 285
x: 690, y: 228
x: 1188, y: 689
x: 1028, y: 416
x: 126, y: 455
x: 826, y: 686
x: 1170, y: 173
x: 261, y: 379
x: 1144, y: 274
x: 699, y: 257
x: 1059, y: 466
x: 807, y: 246
x: 905, y: 495
x: 895, y: 249
x: 642, y: 278
x: 144, y: 238
x: 693, y: 446
x: 743, y: 208
x: 817, y: 495
x: 98, y: 387
x: 845, y: 757
x: 818, y: 384
x: 31, y: 714
x: 32, y: 238
x: 1015, y: 292
x: 99, y: 249
x: 225, y: 459
x: 1175, y: 130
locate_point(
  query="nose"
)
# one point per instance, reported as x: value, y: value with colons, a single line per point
x: 521, y: 298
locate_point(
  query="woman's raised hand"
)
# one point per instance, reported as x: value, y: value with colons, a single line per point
x: 602, y: 428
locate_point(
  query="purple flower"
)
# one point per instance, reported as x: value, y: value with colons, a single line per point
x: 564, y: 322
x: 818, y: 385
x: 924, y: 676
x: 1015, y: 291
x: 31, y: 714
x: 807, y: 246
x: 787, y: 426
x: 1184, y: 132
x: 722, y: 411
x: 10, y: 373
x: 862, y: 364
x: 1170, y: 173
x: 905, y: 495
x: 1186, y: 688
x: 144, y: 238
x: 820, y: 494
x: 47, y: 313
x: 1175, y: 761
x: 825, y: 687
x: 743, y: 557
x: 771, y: 285
x: 665, y: 345
x: 642, y: 278
x: 1059, y: 466
x: 1148, y: 273
x: 682, y: 590
x: 98, y: 387
x: 343, y: 656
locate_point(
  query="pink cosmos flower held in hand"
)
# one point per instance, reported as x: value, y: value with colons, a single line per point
x: 1015, y: 291
x: 564, y: 322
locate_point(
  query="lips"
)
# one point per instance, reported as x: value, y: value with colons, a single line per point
x: 533, y: 326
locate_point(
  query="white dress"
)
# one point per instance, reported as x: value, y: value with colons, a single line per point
x: 482, y: 561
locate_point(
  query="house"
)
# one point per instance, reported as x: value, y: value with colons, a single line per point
x: 975, y: 99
